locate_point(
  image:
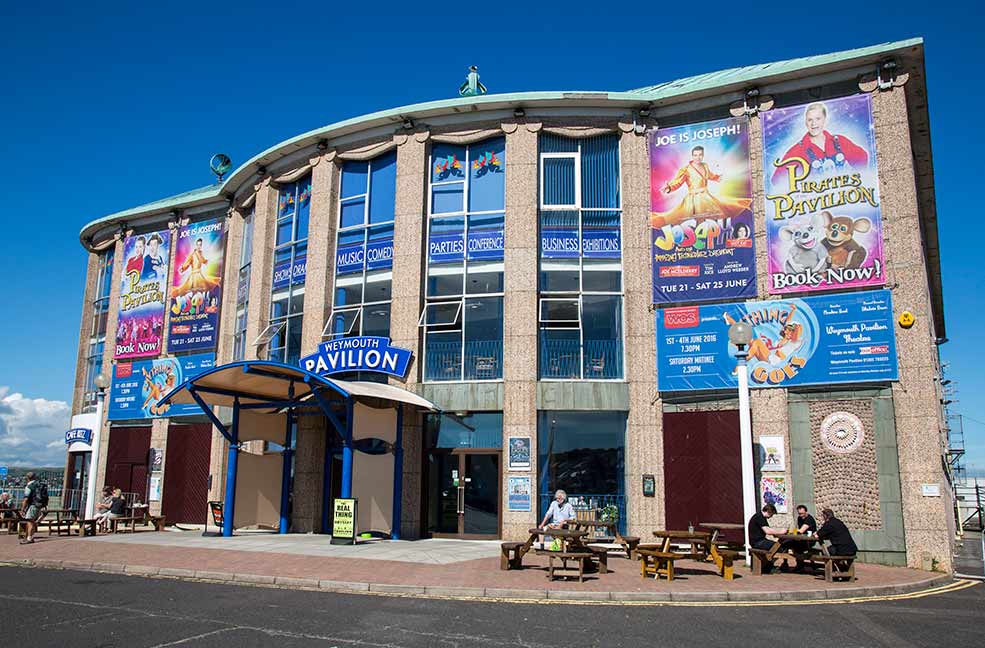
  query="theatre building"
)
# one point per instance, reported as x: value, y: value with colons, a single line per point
x: 472, y: 302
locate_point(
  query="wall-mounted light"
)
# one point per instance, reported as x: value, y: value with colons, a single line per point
x: 408, y: 124
x: 323, y: 145
x: 261, y: 170
x: 519, y: 113
x: 941, y: 340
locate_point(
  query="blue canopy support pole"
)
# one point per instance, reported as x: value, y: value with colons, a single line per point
x: 326, y: 507
x: 288, y: 460
x: 229, y: 508
x: 398, y: 474
x: 347, y: 452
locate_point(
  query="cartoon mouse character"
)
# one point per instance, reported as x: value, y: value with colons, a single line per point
x: 839, y: 239
x: 807, y: 252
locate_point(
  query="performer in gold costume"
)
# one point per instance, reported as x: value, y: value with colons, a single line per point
x: 699, y: 201
x: 196, y: 279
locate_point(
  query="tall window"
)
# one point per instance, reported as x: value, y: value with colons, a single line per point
x: 580, y: 307
x: 97, y: 334
x: 243, y: 288
x: 463, y: 314
x: 283, y: 334
x: 364, y: 249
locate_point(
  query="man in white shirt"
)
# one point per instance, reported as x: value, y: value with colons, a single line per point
x: 558, y: 514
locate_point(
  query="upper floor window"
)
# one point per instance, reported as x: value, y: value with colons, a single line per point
x: 243, y: 287
x: 463, y: 314
x: 283, y: 334
x: 97, y: 333
x: 364, y: 248
x: 580, y: 309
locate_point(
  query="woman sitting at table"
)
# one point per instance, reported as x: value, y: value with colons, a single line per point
x: 558, y: 514
x: 102, y: 507
x: 117, y: 506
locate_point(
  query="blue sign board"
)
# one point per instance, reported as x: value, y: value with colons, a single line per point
x: 596, y: 243
x: 845, y: 338
x: 446, y: 248
x: 482, y: 245
x: 286, y: 273
x: 377, y: 255
x: 366, y: 353
x: 139, y: 385
x: 3, y: 472
x: 81, y: 435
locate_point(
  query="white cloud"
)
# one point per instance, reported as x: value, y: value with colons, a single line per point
x: 32, y: 430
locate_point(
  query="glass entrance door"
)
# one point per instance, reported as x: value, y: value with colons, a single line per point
x: 464, y: 494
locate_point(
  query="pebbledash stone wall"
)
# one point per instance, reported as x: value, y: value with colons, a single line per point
x: 844, y: 460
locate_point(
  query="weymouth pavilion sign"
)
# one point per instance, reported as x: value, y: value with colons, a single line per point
x: 366, y: 353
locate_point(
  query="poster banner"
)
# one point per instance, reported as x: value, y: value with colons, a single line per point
x: 842, y: 338
x: 287, y: 273
x: 701, y: 220
x: 773, y: 490
x: 144, y: 284
x: 196, y: 290
x: 518, y: 494
x: 823, y: 216
x: 138, y: 385
x: 595, y: 243
x: 519, y: 458
x: 772, y: 454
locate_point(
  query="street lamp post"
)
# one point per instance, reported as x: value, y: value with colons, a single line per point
x: 740, y: 334
x: 102, y: 382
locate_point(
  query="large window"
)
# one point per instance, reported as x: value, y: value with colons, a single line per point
x: 463, y: 314
x: 97, y: 334
x: 243, y: 288
x: 580, y: 308
x: 283, y: 334
x: 582, y: 452
x: 364, y: 249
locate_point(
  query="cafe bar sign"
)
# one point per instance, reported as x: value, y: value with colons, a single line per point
x: 365, y: 353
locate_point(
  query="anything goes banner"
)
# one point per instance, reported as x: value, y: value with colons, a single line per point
x: 823, y: 219
x: 144, y: 282
x: 138, y: 386
x: 701, y: 220
x: 844, y: 338
x: 196, y: 290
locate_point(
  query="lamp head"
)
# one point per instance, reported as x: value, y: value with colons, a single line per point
x: 102, y: 382
x: 740, y: 334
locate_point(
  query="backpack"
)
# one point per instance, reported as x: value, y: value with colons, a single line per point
x: 39, y: 495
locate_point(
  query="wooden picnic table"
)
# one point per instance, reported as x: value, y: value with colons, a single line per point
x: 628, y: 543
x: 62, y: 522
x: 718, y: 527
x: 664, y: 554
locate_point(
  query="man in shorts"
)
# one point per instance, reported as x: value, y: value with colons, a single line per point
x: 30, y: 507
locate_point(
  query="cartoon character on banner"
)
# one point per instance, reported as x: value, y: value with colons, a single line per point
x: 784, y: 339
x: 839, y: 240
x: 807, y: 251
x: 158, y: 381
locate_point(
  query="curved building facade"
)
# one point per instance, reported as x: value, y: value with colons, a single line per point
x: 562, y: 268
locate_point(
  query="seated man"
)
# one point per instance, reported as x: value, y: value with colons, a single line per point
x: 834, y: 531
x: 805, y: 524
x: 759, y: 528
x: 558, y: 514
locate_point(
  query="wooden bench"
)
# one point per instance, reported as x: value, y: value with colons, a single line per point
x: 87, y: 527
x: 129, y: 524
x: 759, y: 557
x: 512, y: 555
x: 724, y: 560
x: 837, y: 567
x: 601, y: 554
x: 156, y: 520
x: 655, y: 562
x: 630, y: 543
x: 563, y: 556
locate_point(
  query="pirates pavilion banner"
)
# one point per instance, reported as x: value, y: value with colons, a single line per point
x: 138, y: 385
x: 823, y: 220
x: 837, y: 338
x: 701, y: 218
x: 196, y: 290
x: 144, y: 284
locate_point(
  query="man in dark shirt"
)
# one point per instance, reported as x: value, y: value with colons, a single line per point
x: 805, y: 524
x: 759, y: 528
x: 834, y: 531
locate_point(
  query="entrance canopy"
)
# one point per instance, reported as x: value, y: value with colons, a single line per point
x: 275, y: 387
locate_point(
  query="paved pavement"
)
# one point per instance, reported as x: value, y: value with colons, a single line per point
x: 67, y: 608
x: 432, y: 567
x: 968, y: 557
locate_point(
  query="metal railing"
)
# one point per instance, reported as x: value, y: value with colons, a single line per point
x: 602, y: 359
x: 595, y: 501
x: 59, y: 498
x: 483, y: 360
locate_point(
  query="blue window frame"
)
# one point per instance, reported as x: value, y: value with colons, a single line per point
x: 283, y: 334
x: 463, y: 314
x: 364, y: 248
x: 581, y: 290
x: 97, y: 333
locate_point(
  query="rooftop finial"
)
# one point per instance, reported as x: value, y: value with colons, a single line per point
x: 472, y: 86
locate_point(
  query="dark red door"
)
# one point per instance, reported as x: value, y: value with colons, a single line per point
x: 126, y: 460
x: 702, y: 468
x: 186, y: 483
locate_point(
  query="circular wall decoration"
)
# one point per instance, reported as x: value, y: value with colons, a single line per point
x: 842, y: 432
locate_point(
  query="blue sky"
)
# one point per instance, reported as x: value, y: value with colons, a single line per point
x: 107, y: 106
